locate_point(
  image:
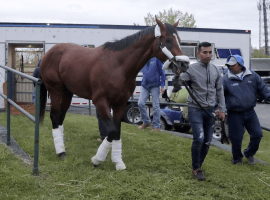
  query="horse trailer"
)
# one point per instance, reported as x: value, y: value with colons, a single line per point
x: 23, y: 44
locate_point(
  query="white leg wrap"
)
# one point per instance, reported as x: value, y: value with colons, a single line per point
x: 117, y: 154
x: 58, y: 141
x: 61, y: 129
x: 102, y: 152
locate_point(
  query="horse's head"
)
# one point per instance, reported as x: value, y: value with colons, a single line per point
x: 169, y: 49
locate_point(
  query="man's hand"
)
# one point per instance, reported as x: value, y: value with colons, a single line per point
x: 162, y: 90
x: 220, y: 115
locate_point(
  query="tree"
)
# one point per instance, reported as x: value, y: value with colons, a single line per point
x: 258, y: 53
x: 171, y: 16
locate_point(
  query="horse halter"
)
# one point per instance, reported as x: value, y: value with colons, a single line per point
x: 167, y: 52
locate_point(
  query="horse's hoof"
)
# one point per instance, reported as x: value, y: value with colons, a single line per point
x: 95, y: 161
x: 120, y: 166
x: 62, y: 155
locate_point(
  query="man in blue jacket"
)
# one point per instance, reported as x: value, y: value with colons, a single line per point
x: 153, y: 78
x: 240, y: 88
x: 36, y: 75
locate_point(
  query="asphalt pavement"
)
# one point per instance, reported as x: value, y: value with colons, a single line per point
x: 263, y: 112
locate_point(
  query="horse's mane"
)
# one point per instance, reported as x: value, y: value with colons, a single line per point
x: 121, y: 44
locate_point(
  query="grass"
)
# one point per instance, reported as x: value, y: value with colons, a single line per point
x: 263, y: 152
x: 158, y: 166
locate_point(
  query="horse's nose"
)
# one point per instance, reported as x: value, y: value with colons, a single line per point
x: 182, y: 62
x: 183, y: 66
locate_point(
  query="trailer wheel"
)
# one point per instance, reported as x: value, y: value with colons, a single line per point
x: 128, y: 114
x: 181, y: 129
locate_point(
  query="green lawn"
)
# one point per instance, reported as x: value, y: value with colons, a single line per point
x: 264, y: 151
x: 158, y: 166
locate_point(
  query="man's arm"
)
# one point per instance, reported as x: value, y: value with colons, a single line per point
x: 161, y: 73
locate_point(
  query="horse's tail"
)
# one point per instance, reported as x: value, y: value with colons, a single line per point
x: 43, y: 101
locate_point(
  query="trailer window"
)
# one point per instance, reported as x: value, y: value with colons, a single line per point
x: 225, y: 53
x: 189, y: 51
x: 189, y: 48
x: 236, y: 52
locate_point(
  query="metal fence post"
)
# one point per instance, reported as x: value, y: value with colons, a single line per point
x: 89, y: 107
x: 8, y: 109
x: 9, y: 72
x: 37, y: 111
x: 132, y: 109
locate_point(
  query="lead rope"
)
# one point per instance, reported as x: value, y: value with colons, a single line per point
x: 223, y: 133
x: 193, y: 97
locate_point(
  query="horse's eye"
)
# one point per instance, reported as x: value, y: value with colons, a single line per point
x: 168, y: 43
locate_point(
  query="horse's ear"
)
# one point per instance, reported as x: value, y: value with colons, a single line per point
x: 176, y: 23
x: 160, y: 24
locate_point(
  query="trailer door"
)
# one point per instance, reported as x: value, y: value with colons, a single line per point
x: 23, y: 56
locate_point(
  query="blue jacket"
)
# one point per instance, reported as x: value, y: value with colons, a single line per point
x: 240, y: 94
x: 36, y: 71
x: 153, y: 74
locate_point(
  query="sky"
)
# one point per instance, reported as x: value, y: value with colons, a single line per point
x: 221, y: 14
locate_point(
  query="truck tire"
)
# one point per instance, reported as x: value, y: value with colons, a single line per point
x: 128, y: 114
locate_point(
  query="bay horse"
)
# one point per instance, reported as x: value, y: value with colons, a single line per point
x: 107, y: 75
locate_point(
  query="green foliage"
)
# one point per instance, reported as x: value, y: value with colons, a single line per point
x: 264, y: 146
x: 158, y: 166
x: 171, y: 16
x: 258, y: 53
